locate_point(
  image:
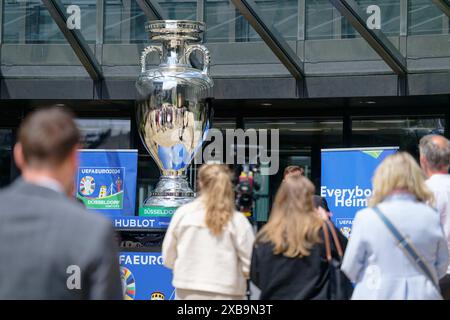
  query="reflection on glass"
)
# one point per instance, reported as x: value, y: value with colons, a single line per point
x: 30, y: 22
x: 104, y: 133
x: 226, y: 24
x: 321, y: 20
x: 224, y: 123
x: 179, y: 9
x: 124, y: 22
x: 325, y: 22
x: 295, y: 133
x: 424, y: 17
x: 386, y: 132
x: 282, y: 14
x: 383, y: 15
x: 220, y: 19
x: 5, y: 156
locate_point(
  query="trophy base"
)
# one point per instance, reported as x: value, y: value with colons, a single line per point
x: 171, y: 191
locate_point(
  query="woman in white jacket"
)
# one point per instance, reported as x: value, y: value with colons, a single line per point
x: 208, y: 243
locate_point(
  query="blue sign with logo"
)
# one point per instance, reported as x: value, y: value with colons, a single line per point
x: 347, y: 181
x: 106, y: 181
x: 144, y: 277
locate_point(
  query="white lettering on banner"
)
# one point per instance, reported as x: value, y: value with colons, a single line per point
x: 140, y: 259
x: 374, y: 20
x: 100, y: 171
x: 74, y: 20
x: 134, y: 223
x: 356, y: 197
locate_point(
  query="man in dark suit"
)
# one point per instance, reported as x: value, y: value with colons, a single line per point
x: 50, y: 246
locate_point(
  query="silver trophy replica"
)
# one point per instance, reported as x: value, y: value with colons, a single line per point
x: 173, y: 108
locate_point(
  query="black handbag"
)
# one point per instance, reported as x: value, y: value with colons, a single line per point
x: 340, y: 287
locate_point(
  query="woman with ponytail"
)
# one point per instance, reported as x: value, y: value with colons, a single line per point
x: 208, y: 243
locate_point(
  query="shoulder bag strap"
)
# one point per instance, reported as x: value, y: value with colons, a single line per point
x: 407, y: 247
x: 326, y: 237
x: 337, y: 243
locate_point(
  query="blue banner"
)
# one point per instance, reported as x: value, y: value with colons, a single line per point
x: 144, y: 277
x: 106, y: 181
x: 346, y: 181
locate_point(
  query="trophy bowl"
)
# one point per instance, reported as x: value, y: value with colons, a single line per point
x: 173, y: 106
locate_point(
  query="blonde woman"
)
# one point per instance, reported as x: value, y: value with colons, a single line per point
x: 208, y: 243
x: 374, y: 259
x: 289, y: 258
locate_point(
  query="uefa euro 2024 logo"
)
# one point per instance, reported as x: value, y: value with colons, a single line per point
x: 87, y: 185
x: 101, y: 188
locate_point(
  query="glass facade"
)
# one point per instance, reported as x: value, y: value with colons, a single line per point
x: 31, y: 37
x: 104, y: 133
x: 316, y: 31
x: 179, y: 9
x: 404, y: 132
x: 322, y: 21
x: 124, y: 22
x: 30, y: 22
x: 381, y: 15
x: 425, y: 18
x: 225, y: 24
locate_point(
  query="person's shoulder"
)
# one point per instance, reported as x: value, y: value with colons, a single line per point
x: 364, y: 214
x: 73, y: 213
x: 187, y: 213
x: 429, y: 212
x: 438, y: 181
x: 188, y: 208
x: 9, y: 190
x: 240, y: 218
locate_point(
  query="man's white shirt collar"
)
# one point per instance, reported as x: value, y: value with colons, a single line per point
x: 50, y: 183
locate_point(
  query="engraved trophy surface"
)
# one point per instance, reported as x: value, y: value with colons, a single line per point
x: 173, y: 106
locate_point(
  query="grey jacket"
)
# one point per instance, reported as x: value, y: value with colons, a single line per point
x: 52, y: 248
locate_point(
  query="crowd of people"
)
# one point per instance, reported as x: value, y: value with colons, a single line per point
x: 52, y: 248
x: 398, y: 248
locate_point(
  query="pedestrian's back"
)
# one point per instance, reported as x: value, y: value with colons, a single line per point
x: 50, y: 246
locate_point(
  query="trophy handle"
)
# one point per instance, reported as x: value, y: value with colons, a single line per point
x: 146, y: 51
x: 206, y: 56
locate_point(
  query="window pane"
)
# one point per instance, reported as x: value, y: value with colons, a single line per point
x: 424, y: 17
x: 404, y: 132
x: 225, y: 24
x: 104, y: 133
x: 320, y: 19
x: 124, y: 22
x: 30, y: 21
x: 389, y: 14
x: 179, y: 9
x: 282, y: 14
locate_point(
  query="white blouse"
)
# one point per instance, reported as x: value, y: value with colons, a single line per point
x: 440, y: 185
x: 203, y: 261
